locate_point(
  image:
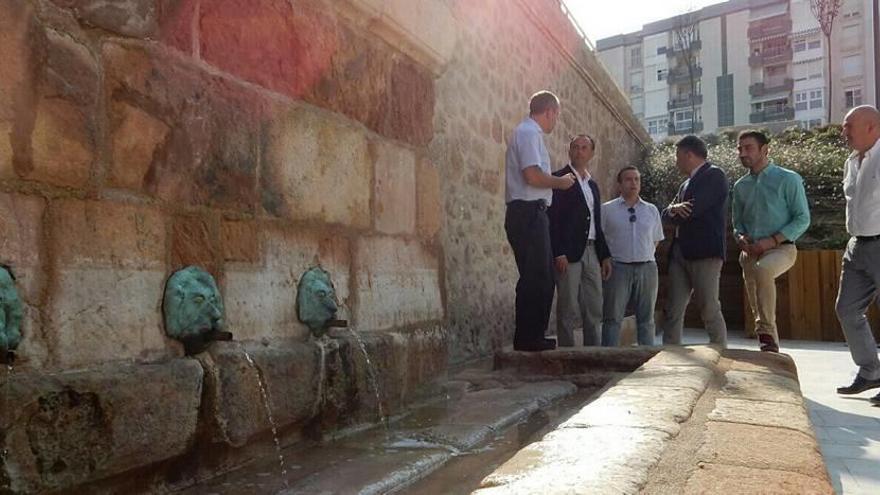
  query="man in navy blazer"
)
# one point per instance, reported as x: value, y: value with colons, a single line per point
x: 580, y: 254
x: 698, y: 213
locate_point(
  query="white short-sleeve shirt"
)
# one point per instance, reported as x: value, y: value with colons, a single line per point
x: 526, y: 149
x: 631, y: 241
x: 861, y: 186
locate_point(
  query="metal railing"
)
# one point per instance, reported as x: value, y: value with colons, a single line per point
x: 684, y: 101
x: 577, y: 26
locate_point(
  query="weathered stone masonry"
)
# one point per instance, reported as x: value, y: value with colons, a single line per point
x: 258, y: 138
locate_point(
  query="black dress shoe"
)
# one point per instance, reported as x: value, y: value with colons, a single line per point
x: 875, y: 400
x: 859, y: 385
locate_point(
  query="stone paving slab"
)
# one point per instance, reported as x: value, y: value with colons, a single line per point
x: 759, y: 413
x: 715, y: 478
x: 640, y: 407
x: 659, y: 377
x: 761, y: 386
x: 704, y: 356
x: 761, y: 447
x: 617, y: 462
x: 778, y: 364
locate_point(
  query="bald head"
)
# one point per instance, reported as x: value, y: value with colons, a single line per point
x: 861, y: 128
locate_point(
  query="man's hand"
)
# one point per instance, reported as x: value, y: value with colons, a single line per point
x: 682, y: 210
x: 561, y: 264
x: 606, y: 268
x: 744, y: 242
x: 762, y: 245
x: 565, y: 181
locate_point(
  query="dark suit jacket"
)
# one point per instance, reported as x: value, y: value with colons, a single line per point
x: 570, y: 221
x: 702, y: 235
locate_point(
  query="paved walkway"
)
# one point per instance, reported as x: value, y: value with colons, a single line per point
x: 848, y: 428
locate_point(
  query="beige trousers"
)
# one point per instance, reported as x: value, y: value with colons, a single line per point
x: 759, y: 274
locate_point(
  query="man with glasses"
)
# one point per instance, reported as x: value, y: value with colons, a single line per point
x: 770, y: 212
x: 580, y: 254
x: 632, y: 230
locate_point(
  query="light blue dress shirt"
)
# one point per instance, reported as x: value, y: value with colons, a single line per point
x: 526, y: 149
x: 770, y: 202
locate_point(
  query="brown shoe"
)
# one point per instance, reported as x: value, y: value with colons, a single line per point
x: 767, y: 343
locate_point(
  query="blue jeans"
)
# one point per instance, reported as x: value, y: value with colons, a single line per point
x: 636, y: 282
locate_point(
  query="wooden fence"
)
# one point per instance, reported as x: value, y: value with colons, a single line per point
x: 805, y: 300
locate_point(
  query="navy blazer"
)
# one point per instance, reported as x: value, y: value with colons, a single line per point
x: 703, y: 234
x: 570, y: 221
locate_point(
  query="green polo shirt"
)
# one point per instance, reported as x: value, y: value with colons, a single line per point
x: 770, y: 202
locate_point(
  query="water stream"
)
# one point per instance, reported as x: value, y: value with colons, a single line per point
x: 7, y: 399
x: 265, y: 394
x: 371, y: 377
x: 322, y: 361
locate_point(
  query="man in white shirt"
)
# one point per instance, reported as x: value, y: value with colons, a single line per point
x: 861, y: 261
x: 528, y: 194
x: 632, y: 229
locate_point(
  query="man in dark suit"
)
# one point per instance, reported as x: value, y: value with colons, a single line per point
x: 581, y: 256
x: 698, y: 213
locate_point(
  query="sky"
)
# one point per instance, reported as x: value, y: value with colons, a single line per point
x: 604, y: 18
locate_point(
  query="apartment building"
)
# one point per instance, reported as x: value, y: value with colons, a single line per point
x: 746, y: 63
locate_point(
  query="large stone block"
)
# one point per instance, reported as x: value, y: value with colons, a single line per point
x: 17, y: 30
x: 136, y: 136
x: 62, y: 145
x: 21, y: 248
x: 109, y: 271
x: 209, y: 156
x: 395, y: 188
x: 429, y: 199
x: 261, y: 296
x: 761, y: 447
x: 720, y: 478
x: 65, y: 429
x: 136, y: 18
x: 397, y: 283
x: 318, y: 169
x: 195, y: 241
x: 176, y: 24
x: 273, y: 43
x: 235, y: 408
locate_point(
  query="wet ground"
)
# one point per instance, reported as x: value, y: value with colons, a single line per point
x: 447, y: 446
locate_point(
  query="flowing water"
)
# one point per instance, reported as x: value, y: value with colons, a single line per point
x: 371, y: 377
x: 6, y: 401
x: 322, y: 361
x: 265, y: 394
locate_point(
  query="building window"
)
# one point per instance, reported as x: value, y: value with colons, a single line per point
x: 801, y: 101
x: 799, y: 46
x: 815, y: 123
x: 815, y: 99
x: 661, y: 74
x: 852, y: 65
x: 853, y: 97
x: 635, y: 57
x: 814, y: 44
x: 852, y: 15
x: 657, y: 126
x: 661, y: 50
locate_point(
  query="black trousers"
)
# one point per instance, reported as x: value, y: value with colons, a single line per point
x: 528, y: 232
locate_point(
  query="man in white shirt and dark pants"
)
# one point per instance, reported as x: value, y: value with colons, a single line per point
x: 860, y: 274
x: 528, y: 194
x: 632, y: 230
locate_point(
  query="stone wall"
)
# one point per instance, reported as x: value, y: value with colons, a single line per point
x: 259, y: 138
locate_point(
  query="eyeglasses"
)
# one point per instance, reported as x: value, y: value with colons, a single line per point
x: 632, y: 214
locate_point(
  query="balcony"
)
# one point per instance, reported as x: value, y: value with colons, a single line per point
x: 686, y: 101
x: 764, y: 28
x: 773, y: 114
x: 771, y: 56
x: 685, y: 127
x: 772, y: 86
x: 680, y: 75
x: 676, y: 51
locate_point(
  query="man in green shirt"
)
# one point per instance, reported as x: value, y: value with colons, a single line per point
x: 770, y: 212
